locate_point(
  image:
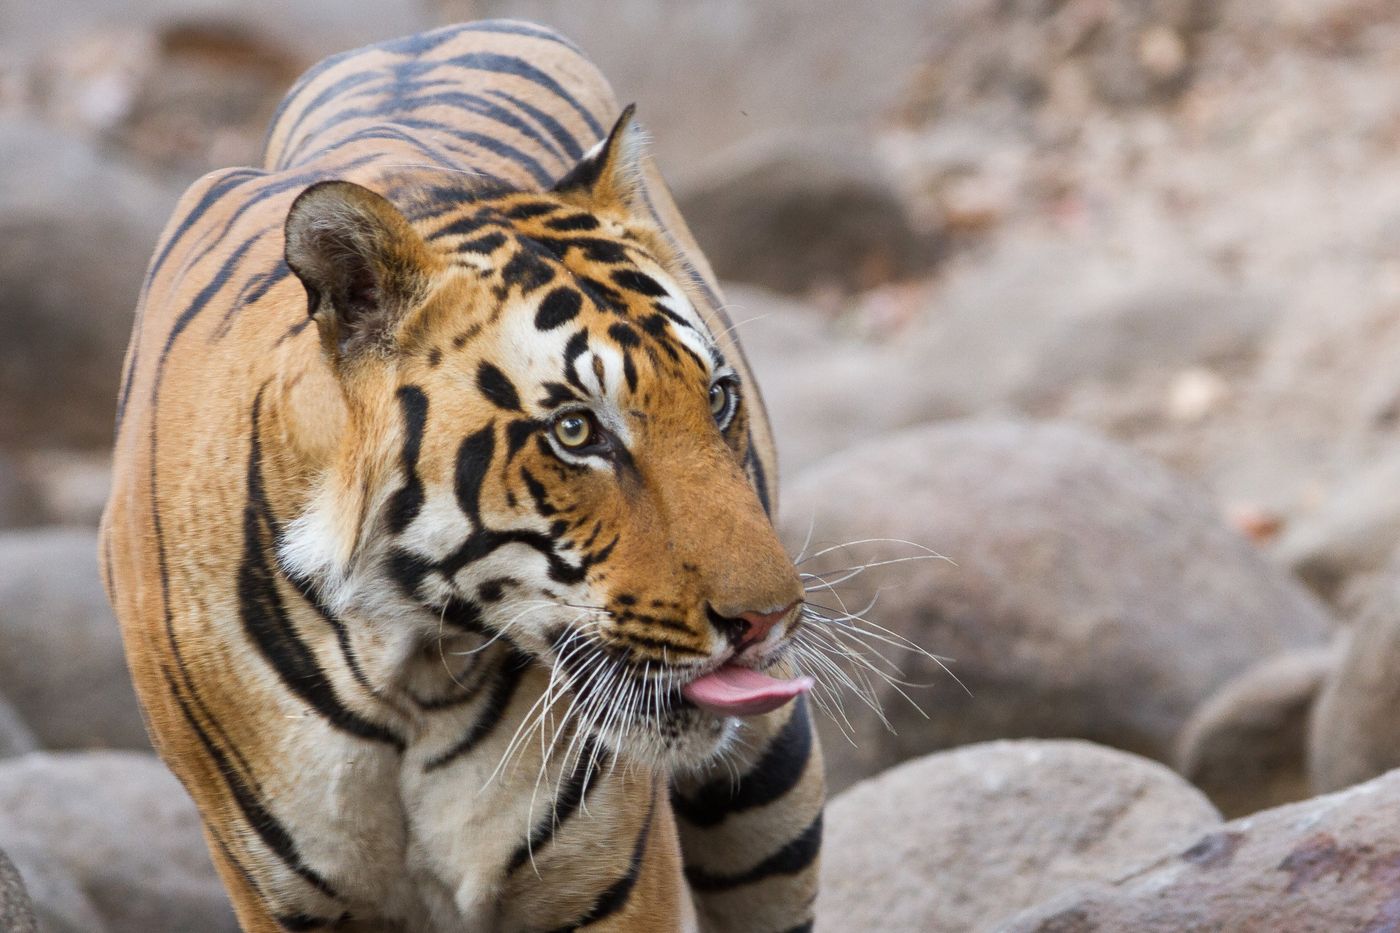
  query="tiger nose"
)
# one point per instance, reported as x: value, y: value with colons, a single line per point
x: 757, y: 625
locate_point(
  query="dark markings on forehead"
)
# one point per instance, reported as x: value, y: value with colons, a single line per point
x: 556, y: 394
x: 638, y: 281
x: 557, y: 308
x: 497, y: 387
x: 594, y: 249
x: 434, y: 357
x: 461, y: 226
x: 674, y: 317
x: 625, y: 336
x: 602, y: 295
x: 576, y: 347
x: 655, y: 325
x: 461, y: 339
x: 573, y: 222
x: 486, y: 243
x: 528, y: 209
x: 526, y: 270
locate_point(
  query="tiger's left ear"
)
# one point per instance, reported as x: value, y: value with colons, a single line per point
x: 610, y: 176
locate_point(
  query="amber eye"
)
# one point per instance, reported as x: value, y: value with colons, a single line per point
x: 574, y: 430
x: 723, y: 400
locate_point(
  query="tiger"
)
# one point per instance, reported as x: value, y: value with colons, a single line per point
x: 440, y: 530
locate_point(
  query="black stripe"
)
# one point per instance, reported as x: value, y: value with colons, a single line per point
x: 558, y: 308
x: 614, y: 898
x: 496, y: 386
x: 590, y: 759
x: 496, y: 63
x: 491, y: 144
x: 791, y: 859
x: 576, y: 347
x: 760, y: 477
x: 269, y: 829
x: 508, y: 677
x: 407, y: 500
x: 327, y: 94
x: 473, y: 460
x: 216, y: 191
x: 638, y: 281
x: 552, y: 126
x: 266, y: 621
x: 777, y: 772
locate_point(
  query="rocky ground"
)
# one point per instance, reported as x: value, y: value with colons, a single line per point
x: 1085, y: 311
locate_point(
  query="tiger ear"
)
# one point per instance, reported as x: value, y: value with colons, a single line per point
x: 364, y: 266
x: 611, y: 175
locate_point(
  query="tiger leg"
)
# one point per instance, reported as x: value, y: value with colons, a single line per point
x: 751, y: 845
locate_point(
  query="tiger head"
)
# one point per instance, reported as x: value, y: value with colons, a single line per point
x: 544, y: 443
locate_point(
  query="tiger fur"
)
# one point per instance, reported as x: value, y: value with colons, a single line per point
x: 361, y: 580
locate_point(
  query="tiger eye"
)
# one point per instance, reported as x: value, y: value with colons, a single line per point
x: 719, y: 398
x: 573, y: 430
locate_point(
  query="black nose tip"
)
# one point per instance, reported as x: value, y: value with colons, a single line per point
x: 732, y: 629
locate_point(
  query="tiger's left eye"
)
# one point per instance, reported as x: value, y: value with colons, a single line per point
x: 719, y: 398
x: 723, y: 399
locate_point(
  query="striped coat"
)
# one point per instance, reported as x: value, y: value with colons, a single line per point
x: 349, y: 770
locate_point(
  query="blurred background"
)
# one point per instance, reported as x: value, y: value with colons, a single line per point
x: 1100, y: 299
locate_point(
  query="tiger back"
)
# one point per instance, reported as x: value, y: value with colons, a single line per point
x: 439, y: 528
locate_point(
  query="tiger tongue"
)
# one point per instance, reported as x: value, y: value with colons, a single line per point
x: 741, y: 691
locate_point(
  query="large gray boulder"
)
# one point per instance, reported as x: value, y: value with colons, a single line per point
x: 16, y: 909
x: 803, y: 214
x: 1354, y: 734
x: 61, y: 662
x: 15, y: 737
x: 77, y: 228
x: 1247, y: 745
x: 111, y: 834
x: 1321, y: 866
x: 1087, y: 591
x: 957, y: 840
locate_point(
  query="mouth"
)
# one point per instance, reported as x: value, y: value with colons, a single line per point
x: 735, y: 690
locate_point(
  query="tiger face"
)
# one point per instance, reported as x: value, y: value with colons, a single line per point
x: 544, y: 445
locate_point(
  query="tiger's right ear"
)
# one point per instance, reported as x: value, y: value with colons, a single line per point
x: 364, y: 266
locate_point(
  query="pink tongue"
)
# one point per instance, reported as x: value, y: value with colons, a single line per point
x: 740, y: 691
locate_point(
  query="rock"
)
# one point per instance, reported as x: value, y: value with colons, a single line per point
x: 794, y: 214
x: 1327, y: 864
x: 16, y: 910
x: 61, y: 662
x: 59, y: 902
x: 1246, y: 746
x: 823, y: 390
x: 956, y: 840
x: 1354, y: 735
x: 1107, y: 346
x: 1088, y: 591
x: 313, y: 28
x: 69, y: 487
x: 15, y: 737
x: 77, y: 229
x: 1354, y: 533
x: 123, y: 828
x: 19, y: 505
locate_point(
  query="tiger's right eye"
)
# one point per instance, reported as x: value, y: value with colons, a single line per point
x: 574, y: 430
